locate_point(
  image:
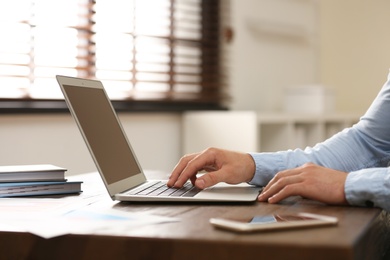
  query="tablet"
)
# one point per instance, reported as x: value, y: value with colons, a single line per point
x: 274, y: 222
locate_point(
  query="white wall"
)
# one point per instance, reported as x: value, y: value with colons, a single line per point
x: 275, y: 46
x: 355, y: 49
x: 346, y: 50
x: 55, y: 139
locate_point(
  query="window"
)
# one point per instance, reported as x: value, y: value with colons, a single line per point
x: 143, y: 50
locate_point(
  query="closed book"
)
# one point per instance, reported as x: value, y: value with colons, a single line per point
x: 19, y: 189
x: 38, y: 172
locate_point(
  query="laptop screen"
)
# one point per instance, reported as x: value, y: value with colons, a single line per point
x: 101, y: 128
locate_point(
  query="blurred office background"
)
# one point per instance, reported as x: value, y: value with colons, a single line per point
x: 276, y: 45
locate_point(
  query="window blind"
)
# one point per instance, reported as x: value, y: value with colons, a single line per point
x: 142, y: 50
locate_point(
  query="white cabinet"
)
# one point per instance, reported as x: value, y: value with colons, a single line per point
x: 279, y: 131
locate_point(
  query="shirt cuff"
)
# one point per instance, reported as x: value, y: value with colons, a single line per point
x: 368, y: 187
x: 267, y: 165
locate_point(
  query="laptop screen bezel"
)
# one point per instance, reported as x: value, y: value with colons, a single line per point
x: 121, y: 185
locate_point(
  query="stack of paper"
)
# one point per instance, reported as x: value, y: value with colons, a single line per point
x: 31, y: 180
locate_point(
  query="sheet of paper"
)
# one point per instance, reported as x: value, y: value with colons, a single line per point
x: 96, y: 220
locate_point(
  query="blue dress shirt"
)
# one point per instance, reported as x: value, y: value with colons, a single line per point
x: 362, y: 150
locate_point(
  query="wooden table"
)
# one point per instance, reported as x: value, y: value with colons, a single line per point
x: 362, y: 233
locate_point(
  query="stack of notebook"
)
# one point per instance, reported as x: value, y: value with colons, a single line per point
x: 35, y: 180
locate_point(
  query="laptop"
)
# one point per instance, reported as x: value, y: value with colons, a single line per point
x: 115, y: 159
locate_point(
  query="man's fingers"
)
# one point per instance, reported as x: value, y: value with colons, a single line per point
x: 284, y: 184
x: 190, y: 165
x: 287, y: 191
x: 280, y: 176
x: 209, y: 179
x: 177, y: 171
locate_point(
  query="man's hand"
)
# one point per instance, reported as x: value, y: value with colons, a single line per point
x: 309, y: 181
x: 220, y: 165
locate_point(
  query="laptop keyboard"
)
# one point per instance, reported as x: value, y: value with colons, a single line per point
x: 160, y: 188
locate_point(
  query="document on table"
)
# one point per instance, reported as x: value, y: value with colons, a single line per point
x: 92, y: 212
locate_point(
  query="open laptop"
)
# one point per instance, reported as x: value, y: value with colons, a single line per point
x: 115, y: 159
